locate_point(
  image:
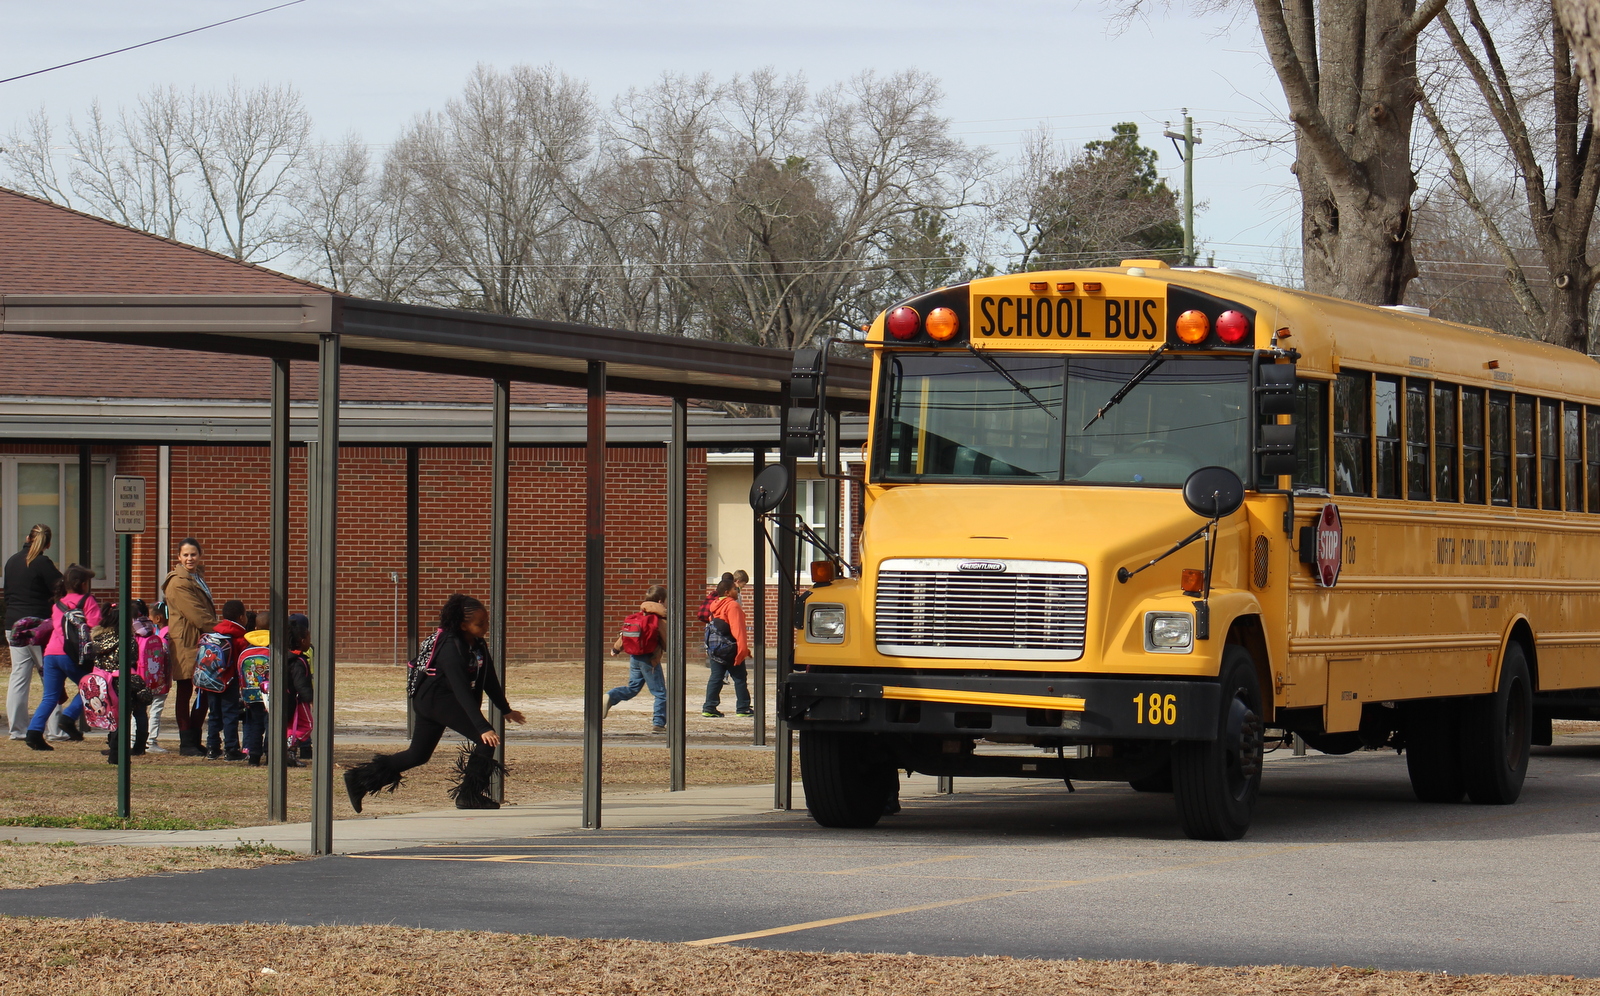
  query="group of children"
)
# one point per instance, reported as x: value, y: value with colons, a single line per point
x: 241, y: 700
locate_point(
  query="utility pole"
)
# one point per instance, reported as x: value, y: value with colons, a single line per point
x: 1190, y: 138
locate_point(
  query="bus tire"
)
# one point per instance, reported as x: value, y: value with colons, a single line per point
x: 844, y: 786
x: 1215, y: 782
x: 1433, y: 752
x: 1497, y: 732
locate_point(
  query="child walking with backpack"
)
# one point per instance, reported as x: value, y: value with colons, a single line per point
x: 101, y: 688
x: 641, y: 640
x: 727, y: 646
x: 254, y: 666
x: 217, y: 671
x: 72, y: 617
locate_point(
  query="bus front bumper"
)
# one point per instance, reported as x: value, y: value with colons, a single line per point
x: 1056, y: 708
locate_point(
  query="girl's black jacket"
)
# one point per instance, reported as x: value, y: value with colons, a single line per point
x: 454, y: 680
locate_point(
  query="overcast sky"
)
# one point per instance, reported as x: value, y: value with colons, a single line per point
x: 1007, y: 67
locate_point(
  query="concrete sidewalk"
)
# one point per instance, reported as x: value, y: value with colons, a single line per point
x: 452, y: 826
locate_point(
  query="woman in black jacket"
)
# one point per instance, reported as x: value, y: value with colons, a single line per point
x: 450, y: 696
x: 30, y: 581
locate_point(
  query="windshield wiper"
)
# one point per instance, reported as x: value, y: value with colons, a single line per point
x: 1156, y: 359
x: 1002, y: 371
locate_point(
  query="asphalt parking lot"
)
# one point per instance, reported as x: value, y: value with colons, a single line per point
x: 1342, y: 867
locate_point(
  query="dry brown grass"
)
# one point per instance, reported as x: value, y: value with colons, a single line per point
x: 74, y: 780
x: 104, y: 957
x: 27, y: 866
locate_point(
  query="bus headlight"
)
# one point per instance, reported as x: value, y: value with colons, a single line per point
x: 1168, y: 632
x: 824, y: 623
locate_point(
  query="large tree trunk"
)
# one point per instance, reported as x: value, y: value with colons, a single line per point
x: 1348, y: 69
x: 1581, y: 18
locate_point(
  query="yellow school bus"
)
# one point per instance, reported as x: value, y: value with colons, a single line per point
x: 1411, y: 558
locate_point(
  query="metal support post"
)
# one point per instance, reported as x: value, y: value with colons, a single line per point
x: 321, y: 597
x: 1299, y: 745
x: 946, y: 785
x: 278, y: 595
x: 124, y: 740
x: 413, y: 558
x: 594, y: 612
x: 85, y: 507
x: 163, y: 555
x: 831, y: 529
x: 758, y: 613
x: 678, y: 597
x: 499, y: 509
x: 782, y: 775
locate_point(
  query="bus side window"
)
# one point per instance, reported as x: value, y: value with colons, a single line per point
x: 1444, y: 443
x: 1527, y: 476
x: 1386, y: 434
x: 1572, y: 454
x: 1592, y: 455
x: 1311, y: 434
x: 1500, y: 447
x: 1418, y: 483
x: 1474, y: 469
x: 1352, y: 434
x: 1549, y: 455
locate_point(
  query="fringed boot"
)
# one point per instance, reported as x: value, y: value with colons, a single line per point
x: 475, y: 771
x: 369, y: 779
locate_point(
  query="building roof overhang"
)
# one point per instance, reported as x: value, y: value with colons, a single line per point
x: 411, y: 337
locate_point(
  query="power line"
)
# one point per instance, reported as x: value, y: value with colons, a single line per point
x: 153, y: 41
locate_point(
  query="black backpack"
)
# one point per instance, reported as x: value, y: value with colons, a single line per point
x: 75, y: 639
x: 721, y: 647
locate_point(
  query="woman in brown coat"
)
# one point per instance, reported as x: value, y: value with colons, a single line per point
x: 191, y: 615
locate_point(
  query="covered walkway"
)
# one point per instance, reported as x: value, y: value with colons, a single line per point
x: 334, y: 330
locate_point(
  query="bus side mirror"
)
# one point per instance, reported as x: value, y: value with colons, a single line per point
x: 1275, y: 389
x: 1213, y: 492
x: 803, y: 433
x: 806, y: 379
x: 1275, y: 450
x: 769, y: 489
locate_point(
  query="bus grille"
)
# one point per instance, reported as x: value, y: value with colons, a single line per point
x: 1028, y: 610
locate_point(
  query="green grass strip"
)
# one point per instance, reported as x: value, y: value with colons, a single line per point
x: 93, y: 821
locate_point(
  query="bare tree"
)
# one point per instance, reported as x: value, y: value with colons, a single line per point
x: 1559, y: 203
x: 247, y: 147
x: 1348, y: 71
x: 491, y: 178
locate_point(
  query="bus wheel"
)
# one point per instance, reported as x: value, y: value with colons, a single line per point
x: 844, y: 786
x: 1496, y: 732
x: 1215, y: 782
x: 1432, y: 750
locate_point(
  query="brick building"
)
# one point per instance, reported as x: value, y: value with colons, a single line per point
x: 194, y: 426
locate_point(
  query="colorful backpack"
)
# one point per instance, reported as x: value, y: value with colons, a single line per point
x: 151, y: 664
x: 255, y: 665
x: 211, y: 662
x: 421, y: 666
x: 641, y: 633
x: 99, y: 691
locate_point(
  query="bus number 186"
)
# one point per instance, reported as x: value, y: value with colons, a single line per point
x: 1162, y: 711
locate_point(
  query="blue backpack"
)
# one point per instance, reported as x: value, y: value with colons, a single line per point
x: 211, y: 662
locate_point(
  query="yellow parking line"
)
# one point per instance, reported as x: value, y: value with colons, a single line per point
x: 897, y: 864
x: 707, y: 861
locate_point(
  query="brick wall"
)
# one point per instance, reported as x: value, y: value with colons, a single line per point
x: 219, y: 496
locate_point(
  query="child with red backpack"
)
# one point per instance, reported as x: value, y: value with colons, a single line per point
x: 155, y: 665
x: 223, y: 707
x: 641, y: 639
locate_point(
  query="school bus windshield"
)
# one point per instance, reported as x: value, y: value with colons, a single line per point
x: 958, y: 416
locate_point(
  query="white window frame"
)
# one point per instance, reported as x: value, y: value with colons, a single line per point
x: 69, y: 465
